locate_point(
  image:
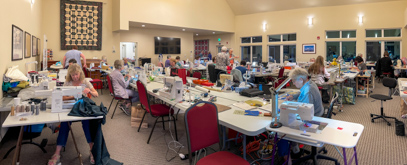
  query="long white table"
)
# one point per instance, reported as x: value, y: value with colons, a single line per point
x: 338, y: 133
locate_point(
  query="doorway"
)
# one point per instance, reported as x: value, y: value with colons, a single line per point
x: 128, y: 50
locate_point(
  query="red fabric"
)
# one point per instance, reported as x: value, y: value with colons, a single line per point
x: 202, y: 122
x: 197, y: 75
x: 221, y: 158
x: 320, y: 88
x: 160, y: 110
x: 98, y: 83
x: 142, y: 92
x: 182, y: 73
x: 109, y: 84
x: 188, y: 73
x: 85, y: 72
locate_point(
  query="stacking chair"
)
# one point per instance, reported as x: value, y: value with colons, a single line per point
x: 202, y: 127
x: 94, y: 81
x: 280, y: 79
x: 156, y: 111
x: 111, y: 90
x: 391, y: 83
x: 237, y: 75
x: 197, y: 74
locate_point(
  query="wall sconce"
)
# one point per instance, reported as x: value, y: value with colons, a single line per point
x: 309, y: 20
x: 32, y: 2
x: 264, y: 26
x: 360, y: 19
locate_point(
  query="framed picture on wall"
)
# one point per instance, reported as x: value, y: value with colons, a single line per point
x: 309, y: 49
x: 39, y: 47
x: 34, y: 46
x: 27, y: 52
x: 17, y: 40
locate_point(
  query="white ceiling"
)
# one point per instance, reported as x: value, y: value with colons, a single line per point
x: 200, y: 32
x: 242, y: 7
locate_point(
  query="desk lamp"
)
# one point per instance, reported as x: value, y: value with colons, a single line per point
x: 274, y: 103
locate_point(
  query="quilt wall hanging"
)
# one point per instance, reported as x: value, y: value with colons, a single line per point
x: 81, y: 25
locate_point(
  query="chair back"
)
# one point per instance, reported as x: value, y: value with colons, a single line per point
x: 237, y: 75
x: 197, y: 74
x: 142, y: 92
x: 85, y: 72
x: 281, y: 72
x: 212, y: 73
x: 331, y: 105
x: 188, y: 73
x: 389, y: 82
x: 202, y: 126
x: 109, y: 84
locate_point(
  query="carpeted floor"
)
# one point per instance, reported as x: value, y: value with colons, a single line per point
x: 378, y: 144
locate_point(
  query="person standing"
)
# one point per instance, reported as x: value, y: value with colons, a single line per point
x: 74, y: 54
x: 232, y: 57
x: 209, y: 56
x: 222, y: 60
x: 167, y: 62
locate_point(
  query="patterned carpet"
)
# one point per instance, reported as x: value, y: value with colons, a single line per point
x: 378, y: 144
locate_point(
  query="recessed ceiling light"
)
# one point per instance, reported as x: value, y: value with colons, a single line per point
x: 183, y: 29
x: 196, y: 34
x: 213, y: 32
x: 143, y: 25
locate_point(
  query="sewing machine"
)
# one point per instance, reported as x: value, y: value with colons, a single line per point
x: 173, y: 88
x: 58, y: 105
x: 289, y: 111
x: 62, y: 75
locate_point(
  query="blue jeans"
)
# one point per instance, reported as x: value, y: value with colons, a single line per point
x: 64, y: 132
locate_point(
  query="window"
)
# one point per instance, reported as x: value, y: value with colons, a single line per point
x: 332, y: 34
x: 345, y: 48
x: 246, y: 39
x: 393, y: 47
x: 282, y: 37
x: 375, y: 51
x: 274, y: 38
x: 332, y: 49
x: 290, y: 37
x: 392, y: 33
x: 288, y: 53
x: 252, y: 53
x: 349, y: 34
x: 257, y: 39
x: 374, y: 33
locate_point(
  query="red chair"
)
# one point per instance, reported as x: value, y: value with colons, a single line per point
x: 197, y: 74
x: 202, y: 126
x: 111, y: 90
x: 280, y: 79
x: 157, y: 110
x: 188, y: 73
x: 98, y: 82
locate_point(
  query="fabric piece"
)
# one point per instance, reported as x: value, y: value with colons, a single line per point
x: 88, y: 108
x: 81, y: 25
x: 99, y: 149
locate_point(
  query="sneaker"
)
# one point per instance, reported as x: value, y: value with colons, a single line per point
x: 124, y: 109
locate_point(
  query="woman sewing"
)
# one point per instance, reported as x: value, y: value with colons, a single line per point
x: 75, y: 77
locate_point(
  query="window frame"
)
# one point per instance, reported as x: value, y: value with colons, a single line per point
x: 382, y: 31
x: 281, y: 51
x: 340, y: 34
x: 340, y: 47
x: 281, y: 37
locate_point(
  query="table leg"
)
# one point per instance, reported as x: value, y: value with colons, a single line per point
x: 367, y: 88
x: 76, y: 146
x: 224, y: 136
x: 16, y: 157
x: 244, y: 147
x: 274, y: 148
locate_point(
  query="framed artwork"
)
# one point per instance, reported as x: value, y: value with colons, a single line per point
x: 17, y: 43
x: 39, y: 47
x: 309, y: 49
x: 34, y: 46
x: 27, y: 52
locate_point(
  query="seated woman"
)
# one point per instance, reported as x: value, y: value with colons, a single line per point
x: 75, y: 77
x: 309, y: 93
x: 120, y: 85
x: 318, y: 72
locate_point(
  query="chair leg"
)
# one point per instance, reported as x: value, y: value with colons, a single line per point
x: 115, y: 109
x: 152, y: 130
x: 163, y: 122
x: 142, y: 119
x: 175, y: 128
x: 110, y: 104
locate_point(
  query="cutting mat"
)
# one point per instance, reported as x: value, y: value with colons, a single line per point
x: 222, y: 108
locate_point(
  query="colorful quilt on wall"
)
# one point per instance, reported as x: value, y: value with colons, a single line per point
x: 81, y: 25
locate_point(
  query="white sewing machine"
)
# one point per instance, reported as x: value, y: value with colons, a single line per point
x: 173, y: 88
x: 289, y: 111
x: 58, y: 105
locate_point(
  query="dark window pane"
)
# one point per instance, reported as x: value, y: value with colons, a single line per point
x: 246, y: 53
x: 274, y: 54
x: 257, y: 39
x: 246, y: 39
x: 392, y: 32
x: 332, y: 34
x: 349, y: 34
x: 373, y: 33
x: 289, y: 37
x: 274, y: 38
x: 393, y: 47
x: 289, y: 53
x: 257, y: 53
x: 332, y: 50
x: 348, y: 50
x: 373, y: 50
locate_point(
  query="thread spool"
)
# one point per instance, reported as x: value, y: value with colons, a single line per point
x: 37, y: 109
x: 12, y: 111
x: 43, y: 106
x: 32, y: 108
x: 27, y: 108
x: 18, y: 108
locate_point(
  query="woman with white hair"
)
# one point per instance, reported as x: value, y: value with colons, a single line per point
x: 120, y: 87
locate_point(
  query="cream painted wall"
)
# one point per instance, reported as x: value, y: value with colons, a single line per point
x: 145, y: 42
x: 376, y: 15
x: 110, y: 39
x: 213, y: 15
x: 27, y: 17
x: 227, y: 40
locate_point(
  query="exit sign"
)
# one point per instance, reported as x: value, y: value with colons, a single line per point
x: 218, y: 39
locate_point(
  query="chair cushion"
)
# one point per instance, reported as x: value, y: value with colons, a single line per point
x: 221, y: 158
x: 380, y: 97
x: 96, y: 80
x: 160, y: 110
